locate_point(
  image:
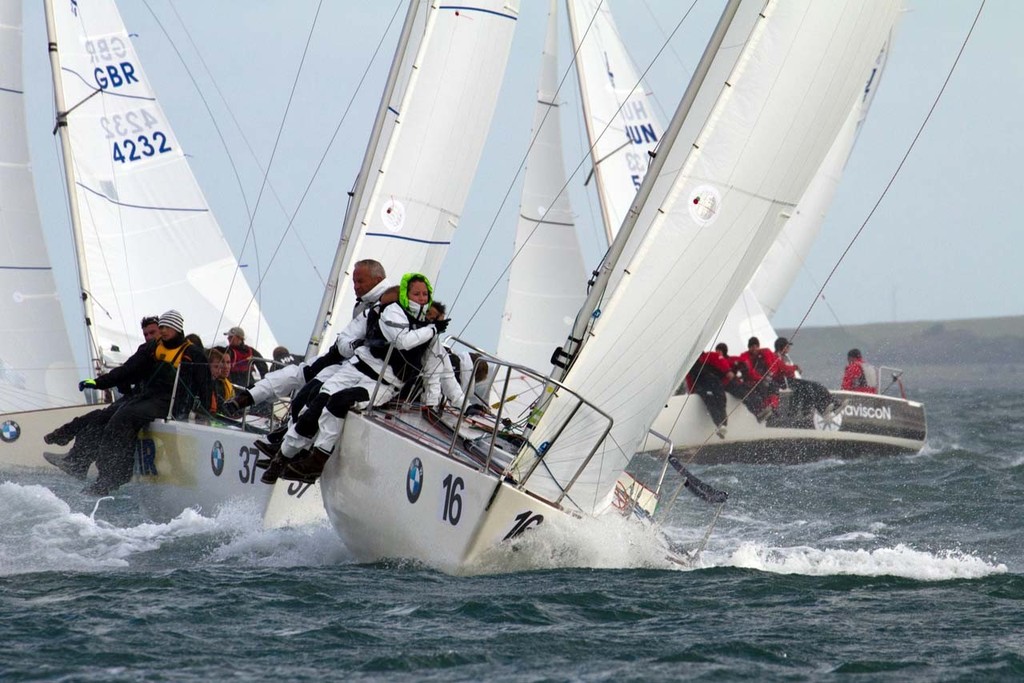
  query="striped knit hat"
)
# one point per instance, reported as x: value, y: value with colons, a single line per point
x: 173, y: 320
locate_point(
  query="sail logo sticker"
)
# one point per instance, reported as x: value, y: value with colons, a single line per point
x: 10, y: 431
x: 392, y: 214
x: 414, y: 480
x: 705, y: 204
x: 217, y: 458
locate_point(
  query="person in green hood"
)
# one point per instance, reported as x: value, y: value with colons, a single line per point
x: 402, y: 325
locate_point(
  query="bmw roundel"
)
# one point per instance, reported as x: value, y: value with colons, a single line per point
x: 217, y: 458
x: 10, y: 431
x: 414, y: 480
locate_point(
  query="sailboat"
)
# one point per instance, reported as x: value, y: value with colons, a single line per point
x: 145, y: 241
x: 775, y: 84
x: 881, y: 423
x: 622, y: 129
x: 38, y: 377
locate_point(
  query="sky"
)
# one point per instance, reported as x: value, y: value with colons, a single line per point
x: 944, y: 242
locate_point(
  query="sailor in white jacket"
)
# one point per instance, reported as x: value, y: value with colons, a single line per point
x: 290, y: 378
x: 401, y: 327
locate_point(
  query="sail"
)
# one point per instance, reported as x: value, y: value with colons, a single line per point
x: 148, y: 239
x: 621, y: 123
x: 546, y: 278
x: 779, y: 87
x: 439, y: 123
x: 751, y: 315
x: 780, y: 267
x: 36, y: 363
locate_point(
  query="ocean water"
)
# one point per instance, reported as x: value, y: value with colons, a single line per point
x: 896, y: 568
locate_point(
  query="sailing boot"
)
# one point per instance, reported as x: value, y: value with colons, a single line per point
x: 60, y: 436
x: 277, y: 436
x: 275, y: 466
x: 68, y: 465
x: 308, y: 469
x: 271, y: 450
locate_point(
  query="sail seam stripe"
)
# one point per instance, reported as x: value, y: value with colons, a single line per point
x: 139, y: 206
x: 479, y: 9
x: 16, y: 92
x: 26, y: 268
x: 407, y: 239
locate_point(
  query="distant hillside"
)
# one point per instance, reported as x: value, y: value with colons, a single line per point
x: 982, y: 351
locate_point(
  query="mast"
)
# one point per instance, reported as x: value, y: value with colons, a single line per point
x: 342, y: 255
x: 567, y: 353
x: 61, y: 127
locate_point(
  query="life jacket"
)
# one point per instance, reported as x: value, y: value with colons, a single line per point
x: 168, y: 362
x: 760, y: 363
x: 225, y: 389
x: 241, y: 357
x: 407, y: 364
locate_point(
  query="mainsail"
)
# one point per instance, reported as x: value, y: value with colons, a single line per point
x: 36, y: 363
x: 147, y: 240
x: 740, y: 152
x: 438, y: 120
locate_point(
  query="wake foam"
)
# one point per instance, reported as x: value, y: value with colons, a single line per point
x: 900, y: 561
x: 41, y: 533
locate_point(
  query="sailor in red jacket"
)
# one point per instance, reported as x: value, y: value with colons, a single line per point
x: 708, y: 378
x: 855, y: 378
x: 762, y: 398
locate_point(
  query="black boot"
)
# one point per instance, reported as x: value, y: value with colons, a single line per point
x: 275, y: 466
x: 68, y: 465
x: 60, y: 436
x: 308, y: 469
x: 277, y: 436
x: 268, y: 449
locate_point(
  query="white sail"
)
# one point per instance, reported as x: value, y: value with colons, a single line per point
x: 36, y: 362
x: 621, y: 123
x: 440, y: 121
x: 546, y: 278
x: 149, y: 241
x: 778, y: 90
x: 784, y: 260
x: 751, y: 316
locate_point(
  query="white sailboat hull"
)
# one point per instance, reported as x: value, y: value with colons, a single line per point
x: 867, y: 424
x: 21, y: 435
x: 188, y: 465
x: 454, y: 521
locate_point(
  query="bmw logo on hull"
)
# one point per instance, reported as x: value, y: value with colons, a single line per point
x: 414, y: 480
x: 217, y: 458
x: 10, y: 431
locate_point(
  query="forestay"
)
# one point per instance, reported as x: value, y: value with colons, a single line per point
x: 36, y: 363
x: 779, y: 88
x: 439, y: 122
x: 148, y: 239
x: 546, y: 279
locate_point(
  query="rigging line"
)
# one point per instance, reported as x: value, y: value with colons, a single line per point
x: 519, y: 170
x: 223, y: 142
x: 277, y: 141
x: 576, y: 170
x: 245, y: 139
x: 899, y: 167
x: 330, y: 143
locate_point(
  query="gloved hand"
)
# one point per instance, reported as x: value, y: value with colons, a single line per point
x: 476, y: 409
x: 86, y: 384
x: 441, y: 325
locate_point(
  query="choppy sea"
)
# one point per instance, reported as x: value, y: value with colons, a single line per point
x: 886, y: 568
